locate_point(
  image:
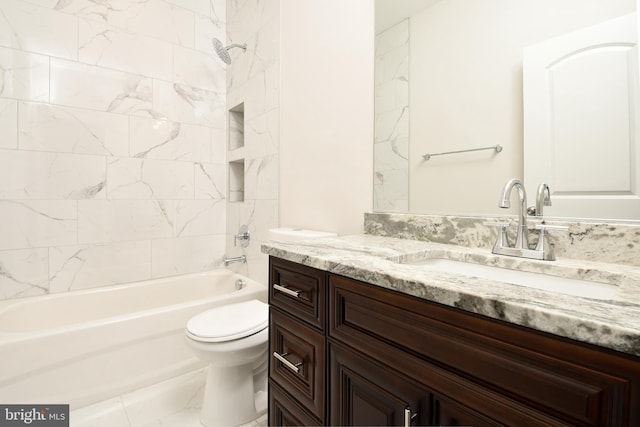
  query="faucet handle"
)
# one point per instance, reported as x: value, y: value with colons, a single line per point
x: 502, y: 240
x: 543, y: 242
x: 243, y: 235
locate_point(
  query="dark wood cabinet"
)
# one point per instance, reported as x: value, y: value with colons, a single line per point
x: 366, y: 393
x: 393, y: 359
x: 451, y: 413
x: 297, y: 344
x: 284, y: 411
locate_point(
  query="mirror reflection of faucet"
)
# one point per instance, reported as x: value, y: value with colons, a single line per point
x: 543, y: 198
x: 542, y: 250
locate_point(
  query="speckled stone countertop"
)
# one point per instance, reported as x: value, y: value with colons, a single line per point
x: 613, y: 322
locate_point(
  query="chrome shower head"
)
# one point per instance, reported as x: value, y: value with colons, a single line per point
x: 223, y: 51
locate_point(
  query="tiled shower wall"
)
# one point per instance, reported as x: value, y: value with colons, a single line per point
x: 253, y: 82
x: 112, y: 141
x: 391, y: 168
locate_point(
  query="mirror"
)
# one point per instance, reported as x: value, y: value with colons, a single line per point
x: 449, y: 77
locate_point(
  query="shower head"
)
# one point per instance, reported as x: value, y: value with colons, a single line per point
x: 223, y: 51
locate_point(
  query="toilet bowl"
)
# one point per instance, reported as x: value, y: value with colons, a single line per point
x: 233, y: 340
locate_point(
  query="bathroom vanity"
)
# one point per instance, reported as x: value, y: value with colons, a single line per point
x: 357, y: 338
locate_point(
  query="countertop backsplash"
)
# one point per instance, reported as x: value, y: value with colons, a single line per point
x: 609, y: 242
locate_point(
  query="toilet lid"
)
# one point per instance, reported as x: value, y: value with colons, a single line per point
x: 229, y: 322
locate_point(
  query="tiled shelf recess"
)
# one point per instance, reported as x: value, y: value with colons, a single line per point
x: 236, y: 181
x: 236, y: 127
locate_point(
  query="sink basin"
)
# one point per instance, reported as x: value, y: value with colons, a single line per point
x: 290, y: 235
x: 576, y: 287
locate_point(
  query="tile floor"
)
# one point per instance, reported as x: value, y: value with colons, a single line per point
x: 172, y: 403
x: 191, y: 418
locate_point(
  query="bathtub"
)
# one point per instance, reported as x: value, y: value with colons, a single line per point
x: 82, y: 347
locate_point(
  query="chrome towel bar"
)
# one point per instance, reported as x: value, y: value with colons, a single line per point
x: 497, y: 148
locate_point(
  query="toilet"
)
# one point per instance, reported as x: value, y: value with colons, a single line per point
x: 233, y: 340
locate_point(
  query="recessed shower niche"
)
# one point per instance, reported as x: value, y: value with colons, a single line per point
x: 236, y: 153
x: 236, y: 180
x: 236, y: 127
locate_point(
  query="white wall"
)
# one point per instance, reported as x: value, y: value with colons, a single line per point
x: 326, y: 120
x: 466, y: 92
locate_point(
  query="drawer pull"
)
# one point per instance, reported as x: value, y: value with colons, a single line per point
x: 295, y: 367
x: 409, y: 417
x: 287, y: 291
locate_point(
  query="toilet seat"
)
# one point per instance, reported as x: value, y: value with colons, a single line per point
x: 229, y: 322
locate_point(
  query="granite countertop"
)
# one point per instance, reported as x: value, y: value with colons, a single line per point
x: 385, y: 261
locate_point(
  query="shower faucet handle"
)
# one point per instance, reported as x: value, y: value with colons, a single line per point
x: 243, y: 236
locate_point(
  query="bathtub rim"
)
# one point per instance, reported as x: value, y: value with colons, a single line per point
x: 12, y: 336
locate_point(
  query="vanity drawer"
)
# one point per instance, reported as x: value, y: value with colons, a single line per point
x: 298, y: 290
x: 559, y: 377
x: 297, y: 361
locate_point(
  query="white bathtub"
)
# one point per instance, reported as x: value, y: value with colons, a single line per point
x: 86, y: 346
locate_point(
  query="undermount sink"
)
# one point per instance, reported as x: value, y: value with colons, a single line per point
x: 290, y: 235
x: 576, y: 287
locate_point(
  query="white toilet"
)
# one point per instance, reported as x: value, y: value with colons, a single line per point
x: 233, y: 339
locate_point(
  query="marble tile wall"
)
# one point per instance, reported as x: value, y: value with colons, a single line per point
x: 253, y: 80
x: 112, y: 141
x: 391, y: 167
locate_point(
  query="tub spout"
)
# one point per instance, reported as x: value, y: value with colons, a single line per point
x: 235, y: 259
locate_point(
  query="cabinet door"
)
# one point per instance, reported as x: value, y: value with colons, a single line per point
x: 284, y: 411
x: 451, y: 413
x: 365, y: 393
x: 552, y: 381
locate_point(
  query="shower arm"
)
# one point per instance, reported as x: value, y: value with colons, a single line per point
x: 241, y: 46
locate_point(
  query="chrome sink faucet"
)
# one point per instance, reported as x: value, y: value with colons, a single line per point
x: 543, y: 250
x: 522, y: 235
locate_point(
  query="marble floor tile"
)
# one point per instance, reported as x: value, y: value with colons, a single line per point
x: 174, y: 402
x: 191, y: 418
